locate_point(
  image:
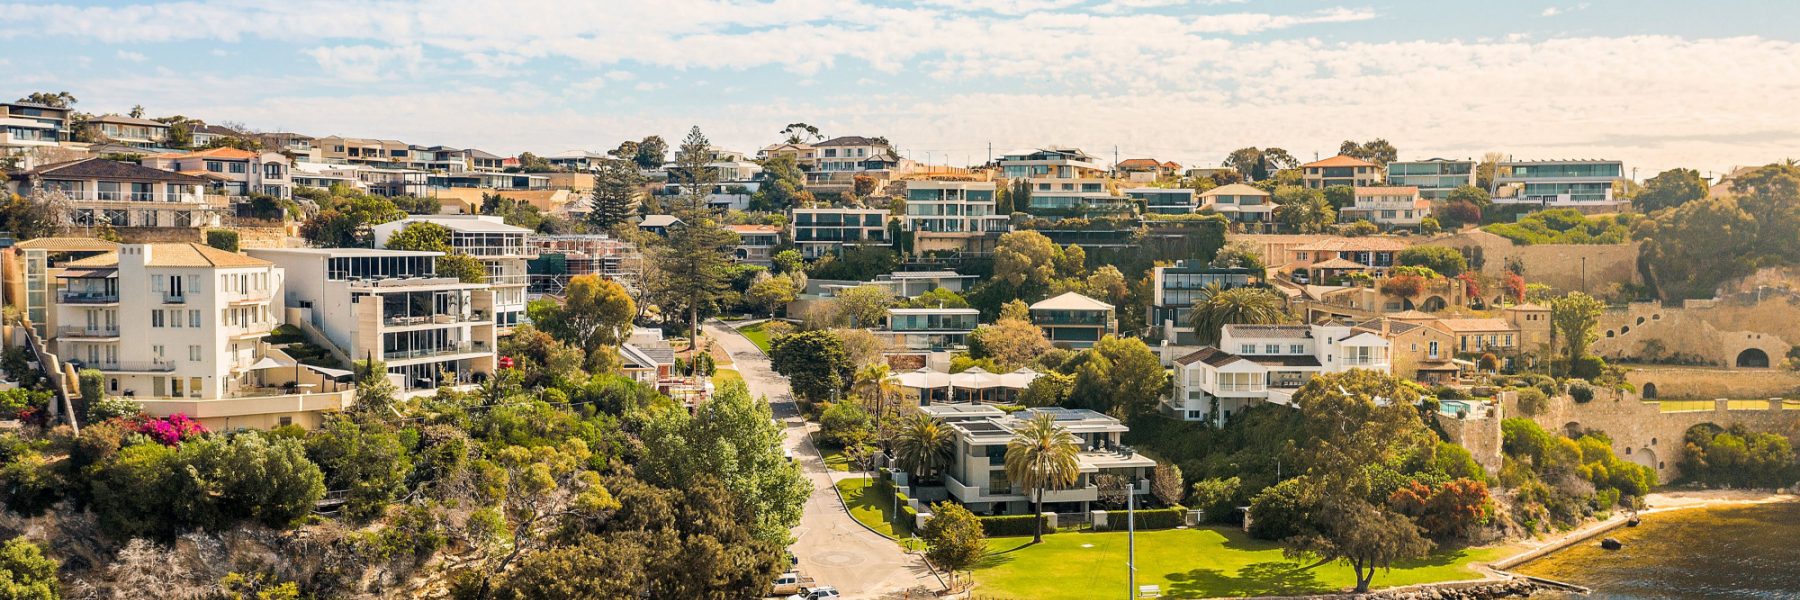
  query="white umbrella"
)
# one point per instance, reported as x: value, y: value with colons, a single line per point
x: 975, y: 378
x: 267, y: 363
x: 1019, y: 379
x: 923, y: 379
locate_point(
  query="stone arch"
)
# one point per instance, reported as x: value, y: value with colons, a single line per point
x: 1649, y: 391
x: 1609, y: 333
x: 1644, y: 456
x: 1753, y: 358
x: 1434, y: 304
x: 1572, y: 429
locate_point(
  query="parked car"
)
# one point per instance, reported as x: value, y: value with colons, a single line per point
x: 790, y: 583
x: 823, y: 592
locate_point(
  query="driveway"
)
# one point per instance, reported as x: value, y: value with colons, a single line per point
x: 833, y: 548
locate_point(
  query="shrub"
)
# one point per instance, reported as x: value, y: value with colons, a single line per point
x: 113, y: 407
x: 1588, y: 367
x: 1533, y: 401
x: 223, y: 239
x: 1581, y: 393
x: 1157, y: 518
x: 1011, y: 525
x: 1215, y: 498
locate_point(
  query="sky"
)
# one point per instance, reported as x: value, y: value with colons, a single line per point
x: 1657, y: 84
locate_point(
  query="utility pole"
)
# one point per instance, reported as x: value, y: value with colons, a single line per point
x: 990, y: 152
x: 1130, y: 541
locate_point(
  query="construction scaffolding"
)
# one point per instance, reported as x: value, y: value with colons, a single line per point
x: 561, y: 257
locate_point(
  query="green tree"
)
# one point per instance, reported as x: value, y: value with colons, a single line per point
x: 651, y: 152
x: 1669, y: 189
x: 1304, y: 210
x: 532, y: 163
x: 1026, y: 261
x: 771, y: 293
x: 1572, y: 321
x: 815, y: 363
x: 924, y: 446
x: 1012, y: 343
x: 223, y: 239
x: 365, y: 461
x: 789, y: 261
x: 269, y: 481
x: 936, y: 298
x: 615, y: 191
x: 1042, y: 456
x: 51, y: 99
x: 1360, y: 534
x: 595, y: 313
x: 1119, y: 376
x: 954, y: 540
x: 375, y: 390
x: 1256, y: 164
x: 1049, y: 389
x: 1476, y: 196
x: 422, y: 236
x: 1215, y: 308
x: 25, y: 573
x: 847, y: 425
x: 784, y: 186
x: 461, y: 267
x: 1377, y: 151
x: 1448, y: 262
x: 865, y: 305
x: 344, y: 219
x: 732, y: 438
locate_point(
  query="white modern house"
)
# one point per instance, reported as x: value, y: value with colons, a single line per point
x: 230, y: 171
x: 1254, y: 364
x: 1389, y: 206
x: 929, y: 329
x: 822, y: 231
x: 501, y: 248
x: 953, y: 215
x: 121, y: 194
x: 1559, y: 183
x: 390, y: 305
x: 976, y: 476
x: 179, y: 328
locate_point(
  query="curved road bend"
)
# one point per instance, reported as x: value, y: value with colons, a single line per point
x: 833, y: 549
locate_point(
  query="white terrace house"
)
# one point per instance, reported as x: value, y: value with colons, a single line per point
x: 121, y: 194
x: 1164, y: 201
x: 929, y: 329
x: 1267, y: 363
x: 232, y: 172
x: 1073, y: 320
x: 1388, y: 206
x: 179, y: 328
x: 501, y: 248
x: 390, y: 305
x: 977, y: 474
x: 1063, y: 182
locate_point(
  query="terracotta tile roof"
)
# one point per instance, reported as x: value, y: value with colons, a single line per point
x: 754, y: 228
x: 186, y: 254
x: 67, y: 244
x: 1139, y: 163
x: 1339, y: 161
x: 1397, y: 190
x: 1358, y: 244
x: 1338, y: 263
x: 1467, y: 325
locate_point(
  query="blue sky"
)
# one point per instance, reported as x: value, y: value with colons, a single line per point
x: 1657, y: 84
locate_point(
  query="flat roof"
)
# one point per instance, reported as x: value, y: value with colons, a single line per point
x: 343, y: 252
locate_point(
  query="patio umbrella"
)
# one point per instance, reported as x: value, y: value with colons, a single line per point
x: 1019, y: 379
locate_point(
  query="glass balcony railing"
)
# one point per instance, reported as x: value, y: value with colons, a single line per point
x: 458, y: 348
x: 88, y: 297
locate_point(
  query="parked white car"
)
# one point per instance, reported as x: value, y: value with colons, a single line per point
x: 823, y: 592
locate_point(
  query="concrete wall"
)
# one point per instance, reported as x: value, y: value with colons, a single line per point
x: 1672, y: 382
x: 1711, y: 332
x: 1559, y: 266
x: 1641, y: 432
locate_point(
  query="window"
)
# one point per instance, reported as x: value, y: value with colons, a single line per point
x: 175, y: 319
x: 1248, y: 349
x: 194, y: 387
x: 238, y: 167
x: 1271, y: 348
x: 215, y: 166
x: 194, y: 353
x: 1434, y: 349
x: 1296, y: 349
x: 157, y: 350
x: 285, y: 421
x: 156, y: 318
x: 194, y: 318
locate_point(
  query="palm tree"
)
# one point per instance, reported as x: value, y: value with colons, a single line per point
x: 1217, y: 307
x: 1042, y: 455
x: 1310, y: 215
x: 924, y: 446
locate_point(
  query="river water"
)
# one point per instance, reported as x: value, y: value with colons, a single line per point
x: 1742, y: 552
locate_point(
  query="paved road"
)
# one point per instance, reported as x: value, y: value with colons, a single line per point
x: 833, y: 548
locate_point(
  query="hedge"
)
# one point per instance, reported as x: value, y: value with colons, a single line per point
x: 1156, y: 518
x: 1011, y: 525
x: 912, y: 515
x: 223, y: 239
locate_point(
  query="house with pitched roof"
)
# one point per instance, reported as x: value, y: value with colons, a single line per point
x: 1255, y: 364
x: 1075, y: 321
x: 976, y: 475
x: 1340, y: 170
x: 121, y: 194
x: 1387, y: 206
x: 1240, y: 203
x: 756, y: 243
x: 130, y: 131
x: 230, y: 171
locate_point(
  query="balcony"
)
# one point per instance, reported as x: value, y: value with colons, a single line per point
x: 253, y: 330
x: 174, y: 298
x: 506, y: 280
x: 132, y: 366
x: 249, y: 298
x: 474, y: 316
x: 1086, y: 493
x: 88, y: 298
x: 459, y: 348
x: 87, y: 332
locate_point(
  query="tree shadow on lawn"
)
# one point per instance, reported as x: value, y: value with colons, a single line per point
x: 991, y: 559
x: 1274, y: 578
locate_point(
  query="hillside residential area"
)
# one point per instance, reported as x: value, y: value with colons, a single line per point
x: 472, y: 303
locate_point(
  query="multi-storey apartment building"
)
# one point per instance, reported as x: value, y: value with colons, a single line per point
x: 1063, y: 182
x: 501, y: 248
x: 130, y: 131
x: 821, y: 231
x: 1558, y: 183
x: 25, y: 126
x: 390, y: 306
x: 1175, y: 287
x: 1340, y: 170
x: 1163, y: 201
x: 929, y: 329
x: 485, y: 162
x: 1254, y: 364
x: 178, y: 328
x: 232, y: 172
x: 977, y: 478
x: 1435, y: 178
x: 576, y: 160
x: 383, y: 181
x: 439, y: 159
x: 121, y: 194
x: 1073, y: 320
x: 953, y: 215
x: 853, y: 153
x: 1389, y: 206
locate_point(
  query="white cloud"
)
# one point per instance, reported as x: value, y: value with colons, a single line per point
x: 132, y: 56
x: 365, y: 63
x: 1551, y: 11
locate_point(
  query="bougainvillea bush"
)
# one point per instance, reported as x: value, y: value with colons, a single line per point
x: 171, y: 430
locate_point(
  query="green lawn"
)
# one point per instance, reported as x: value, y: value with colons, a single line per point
x: 873, y: 505
x: 835, y: 459
x: 721, y: 376
x: 757, y: 336
x: 1187, y: 563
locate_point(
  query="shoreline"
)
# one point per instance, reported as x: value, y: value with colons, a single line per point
x: 1656, y: 503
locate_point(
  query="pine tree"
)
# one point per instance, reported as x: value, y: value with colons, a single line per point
x: 615, y: 188
x: 696, y: 265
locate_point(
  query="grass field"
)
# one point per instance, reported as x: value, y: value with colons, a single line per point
x: 835, y: 459
x: 872, y: 503
x: 721, y: 376
x: 1187, y: 563
x: 1688, y: 405
x: 756, y: 335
